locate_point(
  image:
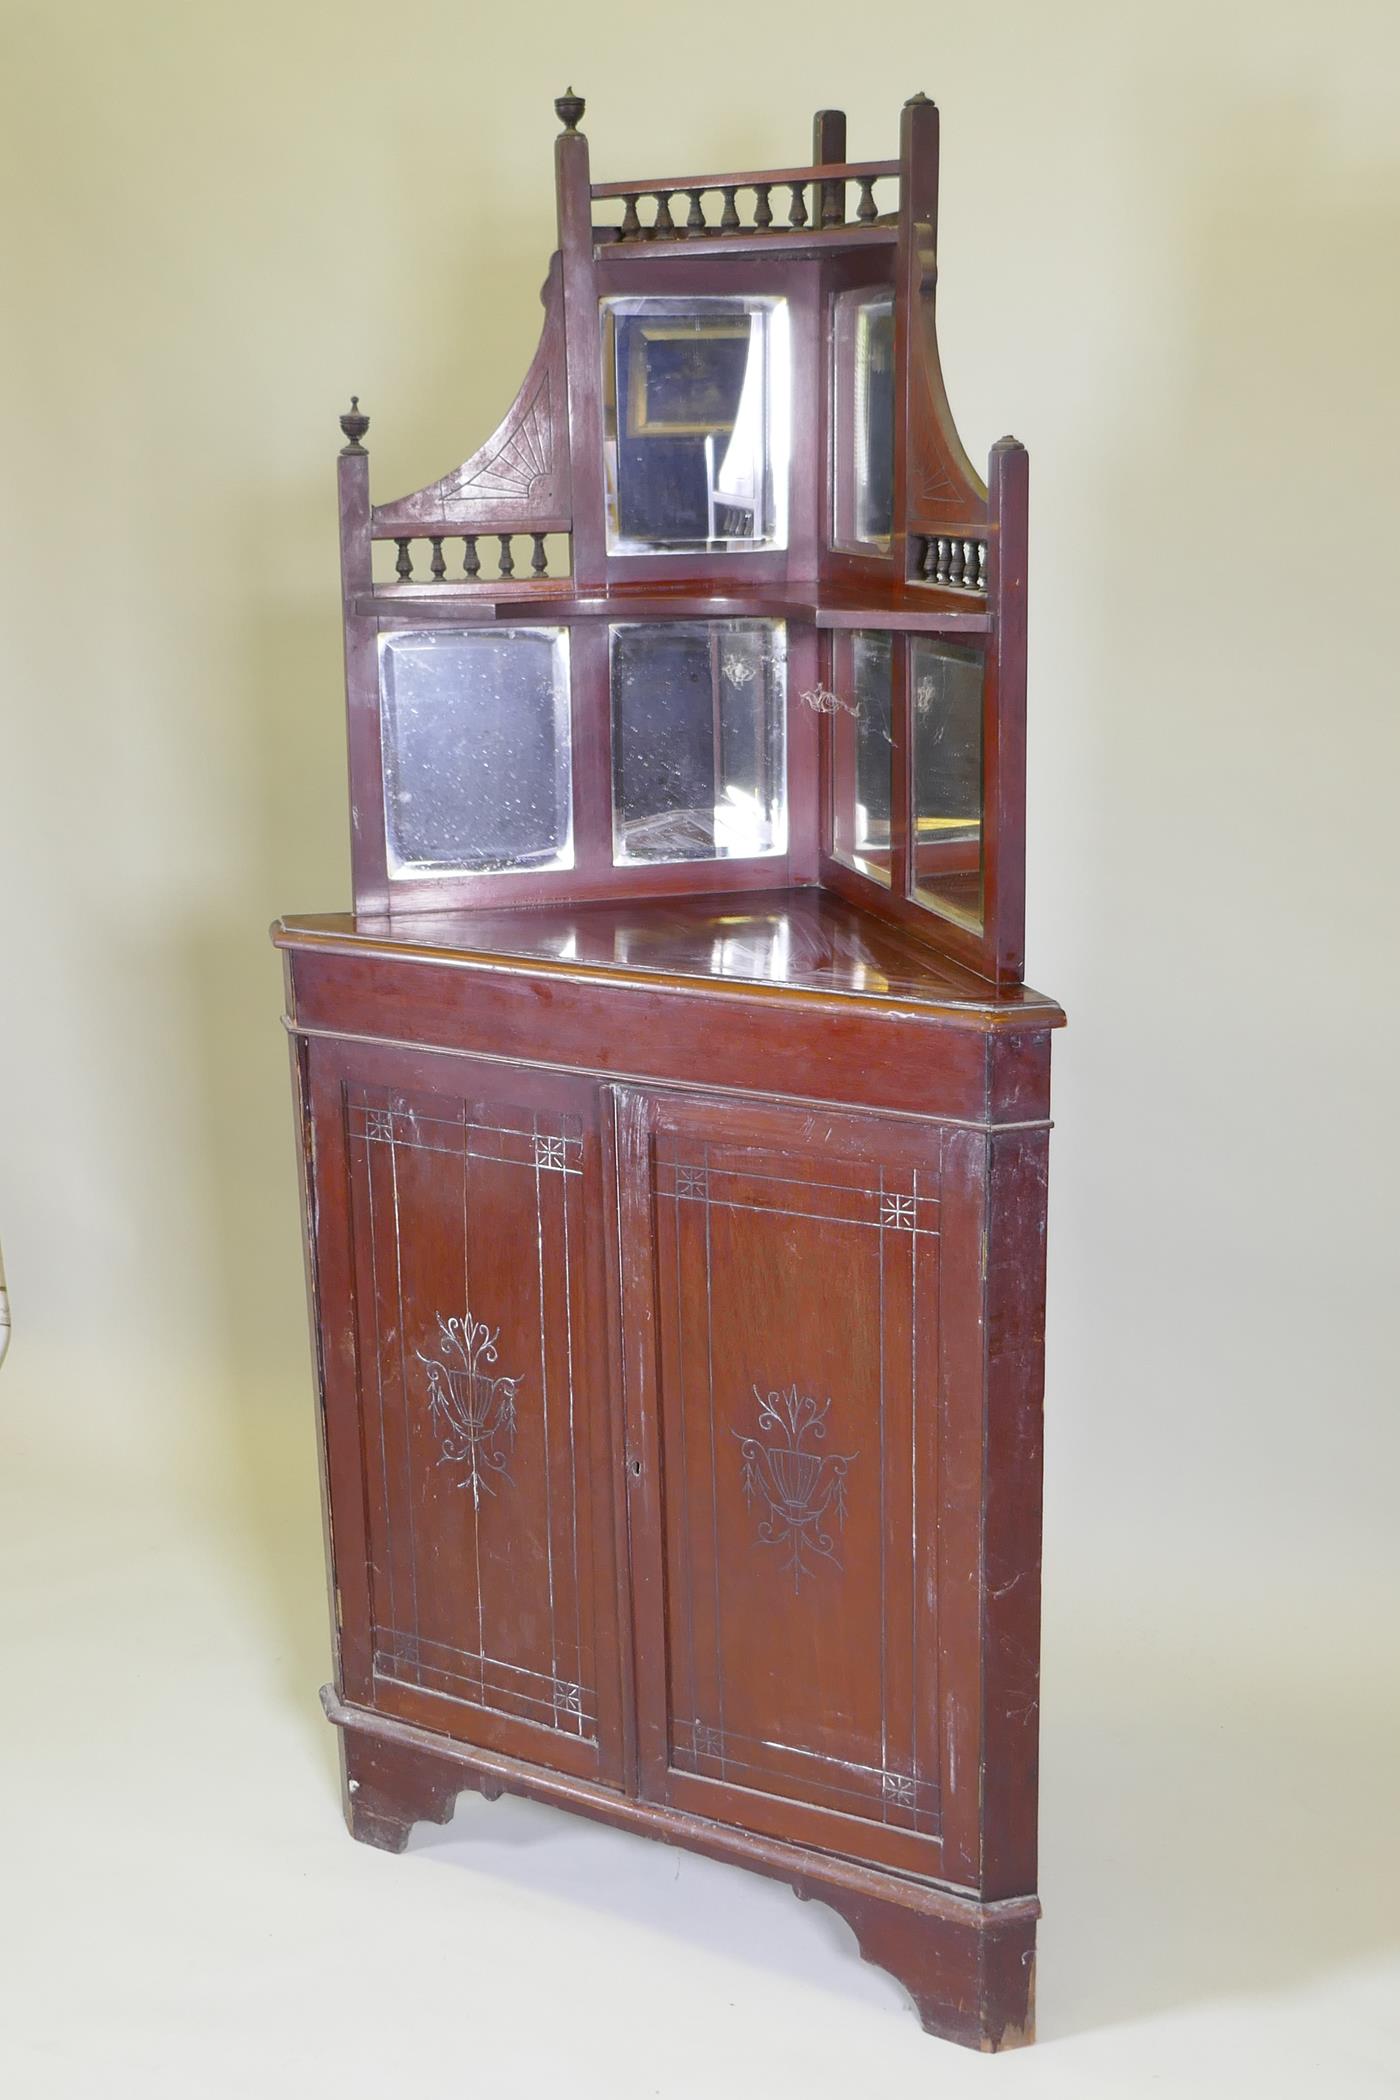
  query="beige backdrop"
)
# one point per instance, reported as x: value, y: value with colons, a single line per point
x: 1168, y: 264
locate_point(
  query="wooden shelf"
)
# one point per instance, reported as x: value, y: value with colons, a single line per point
x: 795, y: 240
x: 457, y: 605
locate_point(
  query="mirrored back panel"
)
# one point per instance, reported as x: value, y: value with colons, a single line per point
x: 475, y: 736
x: 696, y: 417
x: 862, y: 421
x: 698, y: 740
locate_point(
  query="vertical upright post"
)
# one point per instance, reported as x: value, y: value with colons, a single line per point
x: 582, y: 344
x: 1004, y: 710
x: 915, y: 262
x: 368, y: 858
x: 829, y: 144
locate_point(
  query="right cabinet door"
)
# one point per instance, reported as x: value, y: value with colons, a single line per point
x: 804, y: 1406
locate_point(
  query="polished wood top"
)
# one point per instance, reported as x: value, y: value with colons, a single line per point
x: 803, y: 942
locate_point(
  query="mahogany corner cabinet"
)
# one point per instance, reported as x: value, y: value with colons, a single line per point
x: 673, y: 1115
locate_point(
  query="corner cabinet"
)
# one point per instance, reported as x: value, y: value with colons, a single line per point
x: 674, y: 1117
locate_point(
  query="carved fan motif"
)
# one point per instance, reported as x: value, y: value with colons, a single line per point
x: 525, y: 458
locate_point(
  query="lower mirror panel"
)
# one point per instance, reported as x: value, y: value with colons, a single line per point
x: 698, y: 740
x: 862, y: 751
x: 476, y: 750
x: 945, y: 859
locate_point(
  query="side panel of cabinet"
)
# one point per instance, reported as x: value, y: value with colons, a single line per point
x: 460, y: 1290
x: 805, y: 1481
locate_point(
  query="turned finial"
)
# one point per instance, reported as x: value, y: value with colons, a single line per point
x: 568, y: 107
x: 914, y: 100
x: 354, y: 425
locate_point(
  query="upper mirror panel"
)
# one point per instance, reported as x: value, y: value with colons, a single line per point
x: 475, y: 729
x: 863, y: 422
x: 696, y: 423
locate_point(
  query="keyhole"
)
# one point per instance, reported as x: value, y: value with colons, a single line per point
x: 634, y: 1466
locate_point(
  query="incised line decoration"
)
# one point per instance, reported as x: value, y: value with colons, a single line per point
x: 472, y: 1411
x: 799, y: 1488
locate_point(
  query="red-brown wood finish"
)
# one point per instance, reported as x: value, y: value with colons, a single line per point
x: 675, y: 1233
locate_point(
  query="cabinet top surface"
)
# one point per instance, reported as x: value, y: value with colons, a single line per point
x: 804, y: 941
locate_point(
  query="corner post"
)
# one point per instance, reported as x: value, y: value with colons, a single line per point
x: 582, y: 343
x: 828, y: 145
x: 915, y: 272
x: 1004, y: 717
x: 368, y: 860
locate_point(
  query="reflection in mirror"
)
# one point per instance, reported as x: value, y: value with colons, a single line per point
x: 475, y: 727
x: 863, y: 422
x: 946, y: 844
x: 699, y: 740
x: 862, y: 751
x: 695, y: 403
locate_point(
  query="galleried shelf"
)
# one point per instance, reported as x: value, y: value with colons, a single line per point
x: 674, y: 1117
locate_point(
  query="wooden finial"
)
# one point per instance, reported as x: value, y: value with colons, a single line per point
x: 354, y: 425
x: 568, y: 107
x: 914, y: 100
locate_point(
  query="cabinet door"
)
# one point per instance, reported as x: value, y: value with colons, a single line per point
x: 805, y: 1480
x: 460, y: 1286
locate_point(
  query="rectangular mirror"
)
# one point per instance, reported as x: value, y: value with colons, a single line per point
x: 859, y: 706
x: 945, y: 874
x: 699, y: 737
x: 696, y: 414
x: 862, y: 421
x: 476, y: 743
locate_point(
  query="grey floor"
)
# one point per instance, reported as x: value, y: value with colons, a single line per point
x: 184, y: 1913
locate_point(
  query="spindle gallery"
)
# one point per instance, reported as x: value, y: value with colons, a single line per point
x: 673, y: 1115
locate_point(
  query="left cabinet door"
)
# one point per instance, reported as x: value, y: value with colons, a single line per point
x: 457, y: 1224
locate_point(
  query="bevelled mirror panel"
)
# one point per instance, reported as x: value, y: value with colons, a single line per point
x: 945, y: 871
x: 476, y: 741
x: 699, y: 742
x: 696, y: 423
x: 861, y: 707
x: 863, y: 422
